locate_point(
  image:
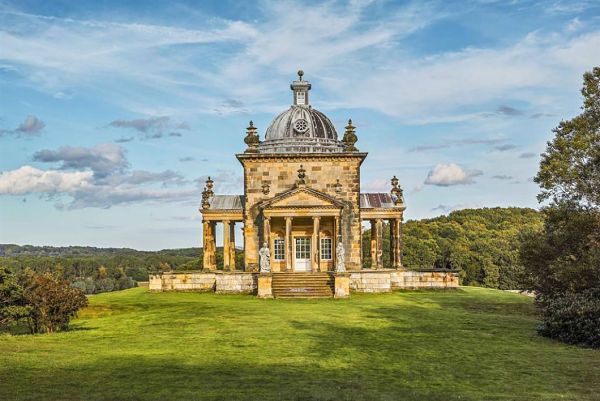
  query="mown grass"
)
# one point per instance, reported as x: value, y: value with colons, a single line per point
x: 469, y: 344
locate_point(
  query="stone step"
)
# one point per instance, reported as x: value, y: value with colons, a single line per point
x: 303, y: 285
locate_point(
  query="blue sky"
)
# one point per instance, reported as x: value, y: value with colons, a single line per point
x: 113, y: 113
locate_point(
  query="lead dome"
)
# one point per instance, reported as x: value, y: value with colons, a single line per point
x: 301, y: 128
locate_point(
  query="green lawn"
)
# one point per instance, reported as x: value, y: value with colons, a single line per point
x: 469, y: 344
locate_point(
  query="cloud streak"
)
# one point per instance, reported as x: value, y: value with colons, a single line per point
x: 152, y: 128
x: 31, y: 126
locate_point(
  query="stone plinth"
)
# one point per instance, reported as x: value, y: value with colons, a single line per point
x: 342, y: 285
x: 265, y: 288
x: 234, y: 283
x: 371, y: 281
x: 155, y: 282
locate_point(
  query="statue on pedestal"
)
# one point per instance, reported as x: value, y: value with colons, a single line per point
x: 265, y: 259
x: 340, y: 258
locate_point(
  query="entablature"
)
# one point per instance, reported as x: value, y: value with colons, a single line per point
x: 374, y: 213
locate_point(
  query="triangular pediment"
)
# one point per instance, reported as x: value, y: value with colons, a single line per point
x: 302, y: 197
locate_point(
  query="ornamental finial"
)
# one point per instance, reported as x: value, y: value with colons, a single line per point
x: 397, y: 192
x: 251, y: 138
x: 350, y: 138
x: 207, y: 194
x: 300, y: 74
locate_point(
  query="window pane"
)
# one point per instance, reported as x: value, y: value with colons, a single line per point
x: 326, y: 248
x: 279, y: 249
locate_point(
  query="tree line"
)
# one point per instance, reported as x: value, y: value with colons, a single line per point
x: 481, y: 244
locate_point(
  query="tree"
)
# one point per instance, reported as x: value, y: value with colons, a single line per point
x: 13, y: 306
x: 570, y: 167
x: 563, y: 259
x: 52, y: 301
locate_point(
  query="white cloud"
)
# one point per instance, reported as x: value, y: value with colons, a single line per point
x: 445, y: 175
x: 27, y: 179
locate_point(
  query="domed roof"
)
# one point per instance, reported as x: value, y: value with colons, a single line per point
x: 301, y: 129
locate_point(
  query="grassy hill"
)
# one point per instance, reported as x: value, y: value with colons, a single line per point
x: 469, y: 344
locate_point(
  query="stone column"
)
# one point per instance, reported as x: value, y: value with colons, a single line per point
x: 205, y: 245
x: 288, y: 243
x: 379, y: 243
x: 266, y: 231
x: 316, y: 256
x: 392, y: 223
x: 336, y: 239
x: 373, y: 244
x: 213, y: 245
x: 399, y: 242
x: 209, y: 259
x: 226, y: 244
x: 232, y: 246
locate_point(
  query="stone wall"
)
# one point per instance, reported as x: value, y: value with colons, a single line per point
x: 280, y: 172
x: 427, y: 279
x: 388, y: 280
x: 372, y: 281
x: 235, y: 283
x: 220, y: 282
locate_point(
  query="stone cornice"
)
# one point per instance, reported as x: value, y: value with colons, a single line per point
x: 299, y: 156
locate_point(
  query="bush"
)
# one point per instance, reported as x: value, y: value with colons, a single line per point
x: 53, y: 302
x: 124, y: 283
x: 573, y: 318
x: 104, y: 285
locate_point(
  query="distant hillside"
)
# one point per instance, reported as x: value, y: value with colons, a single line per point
x: 71, y: 251
x: 482, y: 244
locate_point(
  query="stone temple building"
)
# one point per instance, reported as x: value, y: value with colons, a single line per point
x: 301, y: 199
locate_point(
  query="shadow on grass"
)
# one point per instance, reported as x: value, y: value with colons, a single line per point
x: 164, y: 378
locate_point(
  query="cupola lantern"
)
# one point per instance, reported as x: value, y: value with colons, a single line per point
x: 300, y: 89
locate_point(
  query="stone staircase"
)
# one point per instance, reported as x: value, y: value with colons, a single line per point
x: 303, y: 285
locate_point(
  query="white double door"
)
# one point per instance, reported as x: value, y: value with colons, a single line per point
x: 302, y: 261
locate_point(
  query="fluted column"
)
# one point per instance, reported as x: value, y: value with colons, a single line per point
x: 208, y: 247
x: 373, y: 244
x: 266, y: 231
x: 392, y: 223
x: 288, y: 243
x: 379, y: 238
x: 316, y: 256
x: 399, y: 242
x: 232, y: 246
x: 205, y: 245
x: 336, y: 238
x: 226, y: 245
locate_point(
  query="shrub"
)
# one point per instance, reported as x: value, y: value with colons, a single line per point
x: 123, y: 283
x: 573, y: 318
x: 104, y: 285
x: 13, y: 306
x: 53, y: 302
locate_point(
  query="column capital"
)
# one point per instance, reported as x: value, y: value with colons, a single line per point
x: 316, y: 218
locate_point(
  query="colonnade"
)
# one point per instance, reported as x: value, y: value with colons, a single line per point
x: 210, y: 245
x: 377, y: 243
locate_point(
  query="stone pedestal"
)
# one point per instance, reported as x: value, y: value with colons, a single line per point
x: 265, y: 288
x: 342, y: 285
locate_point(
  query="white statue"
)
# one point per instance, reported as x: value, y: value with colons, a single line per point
x: 340, y: 258
x: 265, y: 255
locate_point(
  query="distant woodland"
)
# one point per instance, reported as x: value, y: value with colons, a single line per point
x: 482, y: 244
